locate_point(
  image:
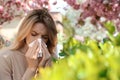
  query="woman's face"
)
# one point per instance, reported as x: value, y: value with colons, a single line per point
x: 38, y: 31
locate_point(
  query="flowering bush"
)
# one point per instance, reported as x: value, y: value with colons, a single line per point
x: 91, y: 60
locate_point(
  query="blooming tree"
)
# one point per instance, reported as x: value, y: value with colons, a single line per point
x: 12, y: 8
x: 98, y: 10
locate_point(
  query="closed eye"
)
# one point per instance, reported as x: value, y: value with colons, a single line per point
x: 34, y: 33
x: 45, y: 37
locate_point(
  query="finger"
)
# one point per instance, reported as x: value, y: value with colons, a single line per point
x: 32, y: 50
x: 43, y: 60
x: 35, y: 56
x: 46, y: 53
x: 42, y: 63
x: 44, y: 47
x: 48, y: 62
x: 35, y: 45
x: 44, y: 43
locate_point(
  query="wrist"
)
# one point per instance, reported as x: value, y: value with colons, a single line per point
x: 29, y: 74
x: 31, y: 68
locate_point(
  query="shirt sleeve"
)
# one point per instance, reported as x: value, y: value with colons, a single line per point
x: 5, y: 68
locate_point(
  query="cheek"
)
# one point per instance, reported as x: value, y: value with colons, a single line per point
x: 45, y: 40
x: 29, y: 39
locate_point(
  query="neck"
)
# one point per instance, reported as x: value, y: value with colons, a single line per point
x: 24, y: 49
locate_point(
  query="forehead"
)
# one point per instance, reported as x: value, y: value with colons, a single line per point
x: 39, y: 28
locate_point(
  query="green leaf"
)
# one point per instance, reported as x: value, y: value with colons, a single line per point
x: 117, y: 39
x: 103, y: 73
x: 110, y: 27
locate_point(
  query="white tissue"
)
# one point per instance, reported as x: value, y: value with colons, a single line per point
x: 40, y: 51
x: 31, y: 44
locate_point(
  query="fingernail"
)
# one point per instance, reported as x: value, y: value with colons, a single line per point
x: 34, y: 57
x: 45, y: 45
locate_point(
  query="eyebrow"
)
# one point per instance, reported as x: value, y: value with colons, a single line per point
x: 38, y: 33
x: 35, y: 32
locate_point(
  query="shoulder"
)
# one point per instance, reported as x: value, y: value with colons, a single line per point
x: 5, y: 62
x: 6, y: 53
x: 6, y: 58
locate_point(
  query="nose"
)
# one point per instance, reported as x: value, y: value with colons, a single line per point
x: 39, y: 36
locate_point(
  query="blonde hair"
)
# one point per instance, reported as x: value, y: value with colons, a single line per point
x: 35, y: 16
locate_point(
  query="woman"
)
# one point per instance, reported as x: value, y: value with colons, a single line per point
x: 21, y: 62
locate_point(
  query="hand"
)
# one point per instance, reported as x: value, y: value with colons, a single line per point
x: 31, y: 55
x: 46, y: 58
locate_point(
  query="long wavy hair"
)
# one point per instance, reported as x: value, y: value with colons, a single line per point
x: 35, y: 16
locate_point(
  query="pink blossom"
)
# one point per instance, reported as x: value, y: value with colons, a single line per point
x: 1, y: 9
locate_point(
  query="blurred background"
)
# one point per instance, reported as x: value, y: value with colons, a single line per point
x: 88, y: 36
